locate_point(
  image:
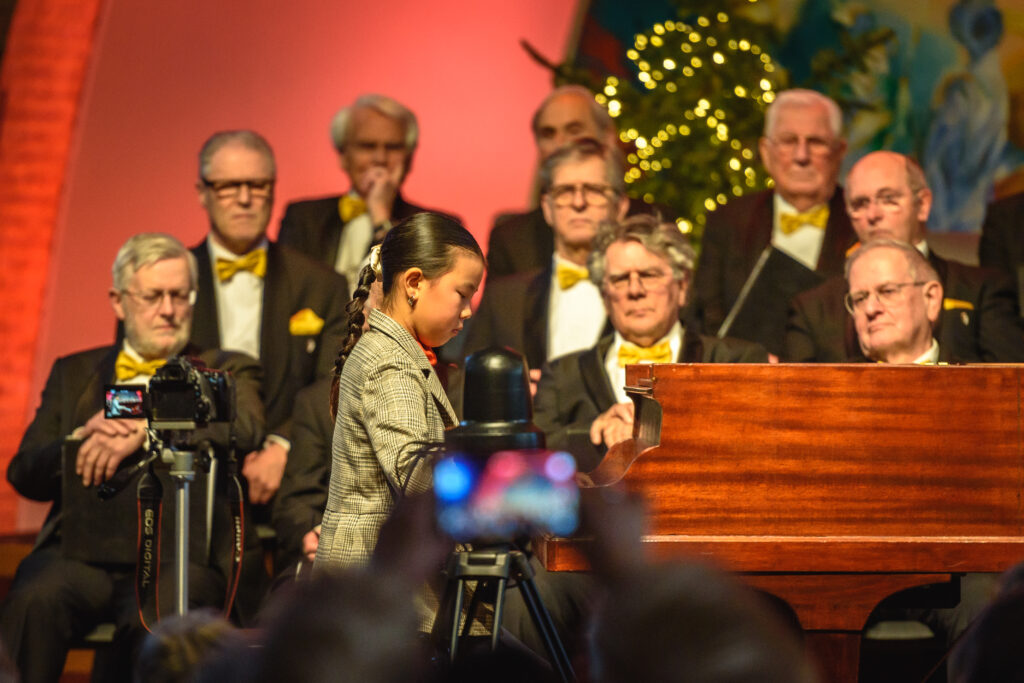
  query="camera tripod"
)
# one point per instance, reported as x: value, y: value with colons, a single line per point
x: 496, y: 564
x: 173, y: 448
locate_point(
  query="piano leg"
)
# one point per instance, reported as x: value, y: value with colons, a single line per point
x: 837, y: 654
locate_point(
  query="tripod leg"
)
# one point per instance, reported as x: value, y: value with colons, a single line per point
x: 474, y: 604
x: 499, y: 604
x: 542, y: 620
x: 456, y: 617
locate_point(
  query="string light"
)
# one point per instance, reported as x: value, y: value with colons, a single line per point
x: 669, y: 56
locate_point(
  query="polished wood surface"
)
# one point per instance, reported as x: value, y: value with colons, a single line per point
x: 831, y: 486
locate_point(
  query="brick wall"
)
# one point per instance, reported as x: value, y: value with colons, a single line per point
x: 41, y: 78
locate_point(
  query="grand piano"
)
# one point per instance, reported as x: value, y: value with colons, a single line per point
x: 828, y: 486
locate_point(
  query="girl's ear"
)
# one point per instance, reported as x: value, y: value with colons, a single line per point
x: 412, y: 281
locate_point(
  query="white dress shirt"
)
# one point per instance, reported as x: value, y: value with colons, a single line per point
x: 356, y: 237
x: 929, y: 357
x: 576, y: 316
x: 803, y: 244
x: 617, y: 375
x: 239, y: 304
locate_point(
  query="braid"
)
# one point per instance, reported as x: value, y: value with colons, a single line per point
x: 356, y: 318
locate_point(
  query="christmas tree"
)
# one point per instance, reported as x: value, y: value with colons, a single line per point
x: 692, y: 109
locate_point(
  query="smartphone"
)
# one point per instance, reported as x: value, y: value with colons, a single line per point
x: 506, y: 495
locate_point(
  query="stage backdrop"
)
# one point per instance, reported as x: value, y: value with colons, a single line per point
x: 162, y: 76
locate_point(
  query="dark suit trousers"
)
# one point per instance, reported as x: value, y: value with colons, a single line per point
x: 55, y: 601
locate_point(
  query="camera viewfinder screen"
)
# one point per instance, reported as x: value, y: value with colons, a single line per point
x: 506, y: 495
x: 124, y: 402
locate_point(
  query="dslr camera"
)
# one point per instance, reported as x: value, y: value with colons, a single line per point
x: 184, y: 394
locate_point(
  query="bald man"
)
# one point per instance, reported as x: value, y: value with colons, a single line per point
x: 887, y: 197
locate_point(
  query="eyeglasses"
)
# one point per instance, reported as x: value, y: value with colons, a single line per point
x: 650, y: 280
x: 788, y: 144
x: 888, y: 200
x: 593, y: 195
x: 887, y: 294
x: 179, y: 299
x: 227, y: 189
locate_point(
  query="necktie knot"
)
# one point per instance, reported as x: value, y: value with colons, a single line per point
x: 631, y: 354
x: 255, y: 262
x: 350, y: 207
x: 127, y: 367
x: 791, y: 222
x: 568, y: 275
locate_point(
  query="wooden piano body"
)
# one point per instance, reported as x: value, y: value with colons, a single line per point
x: 829, y: 486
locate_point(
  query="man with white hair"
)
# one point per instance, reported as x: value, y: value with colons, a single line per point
x: 69, y: 584
x: 762, y: 249
x: 375, y: 138
x: 643, y: 270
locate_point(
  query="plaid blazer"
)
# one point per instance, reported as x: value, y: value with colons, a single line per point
x: 391, y: 411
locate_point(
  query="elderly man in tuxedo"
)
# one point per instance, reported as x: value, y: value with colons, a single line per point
x: 643, y: 270
x: 762, y: 249
x: 259, y: 297
x: 522, y: 242
x: 375, y: 138
x: 548, y: 312
x: 894, y: 297
x: 888, y: 198
x: 58, y: 595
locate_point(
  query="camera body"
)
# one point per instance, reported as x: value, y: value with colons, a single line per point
x: 183, y: 394
x: 496, y: 482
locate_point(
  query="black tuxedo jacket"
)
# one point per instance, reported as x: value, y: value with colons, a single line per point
x: 574, y: 389
x: 74, y: 393
x: 979, y: 321
x: 313, y: 226
x: 290, y: 361
x: 299, y: 503
x: 521, y: 242
x: 1002, y: 240
x: 513, y: 312
x: 734, y: 238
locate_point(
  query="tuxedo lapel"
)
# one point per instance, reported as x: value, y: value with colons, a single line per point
x: 692, y: 348
x: 91, y: 399
x: 274, y: 333
x: 330, y: 235
x: 758, y: 234
x: 839, y: 236
x: 205, y: 326
x: 595, y: 378
x: 535, y: 318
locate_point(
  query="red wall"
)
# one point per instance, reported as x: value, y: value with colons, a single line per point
x: 164, y: 75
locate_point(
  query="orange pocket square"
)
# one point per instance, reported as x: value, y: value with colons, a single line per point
x: 305, y: 323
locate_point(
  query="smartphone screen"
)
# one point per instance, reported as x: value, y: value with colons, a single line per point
x: 506, y: 495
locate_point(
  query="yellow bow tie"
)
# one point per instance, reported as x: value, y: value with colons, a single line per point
x: 630, y: 354
x: 568, y: 275
x: 791, y: 222
x: 126, y: 367
x: 349, y: 207
x: 255, y: 262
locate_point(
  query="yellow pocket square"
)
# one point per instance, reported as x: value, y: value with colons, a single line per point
x: 305, y: 323
x: 953, y: 304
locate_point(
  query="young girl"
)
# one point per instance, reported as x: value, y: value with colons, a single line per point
x: 389, y: 404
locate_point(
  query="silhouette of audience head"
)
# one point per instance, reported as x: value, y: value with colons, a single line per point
x: 690, y: 623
